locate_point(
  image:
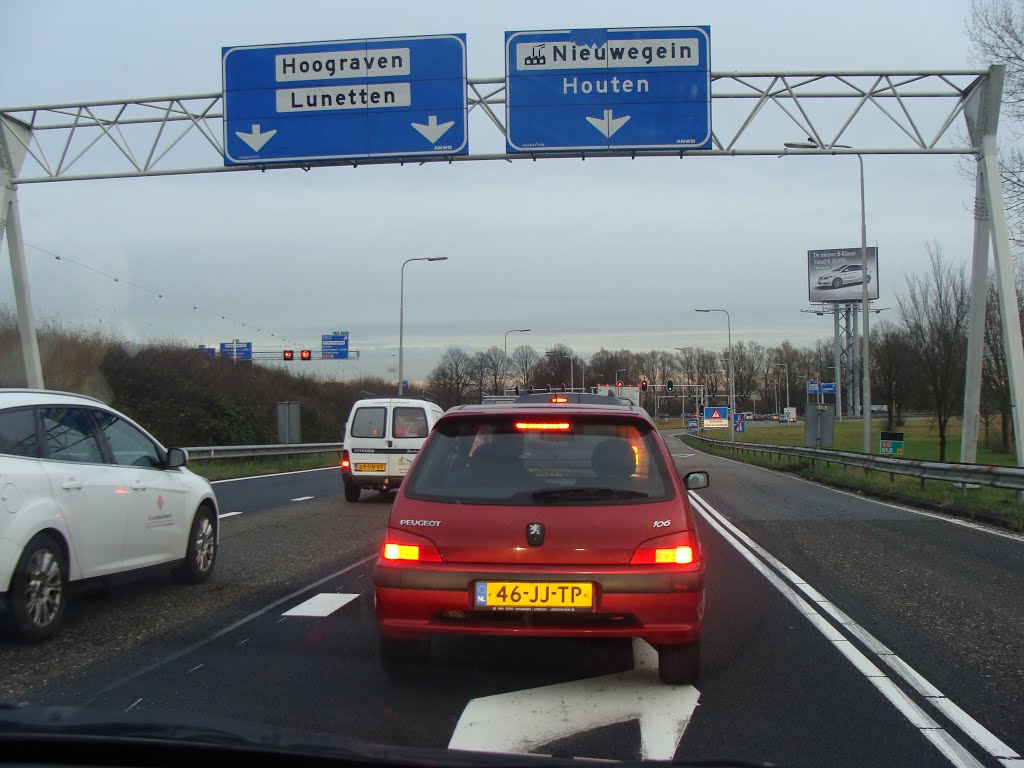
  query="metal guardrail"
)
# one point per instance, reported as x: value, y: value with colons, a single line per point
x: 248, y: 451
x: 1011, y: 478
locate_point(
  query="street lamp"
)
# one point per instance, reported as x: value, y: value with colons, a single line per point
x: 401, y: 315
x: 514, y: 330
x: 786, y: 366
x: 866, y: 355
x: 732, y: 394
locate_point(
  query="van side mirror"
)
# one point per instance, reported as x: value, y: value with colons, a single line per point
x: 177, y: 457
x: 695, y: 480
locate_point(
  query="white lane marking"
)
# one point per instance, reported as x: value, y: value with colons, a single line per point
x: 683, y: 455
x: 520, y: 721
x: 304, y: 498
x: 981, y: 527
x: 228, y: 514
x: 230, y: 628
x: 134, y: 704
x: 276, y: 474
x: 970, y: 727
x: 197, y: 666
x: 321, y: 605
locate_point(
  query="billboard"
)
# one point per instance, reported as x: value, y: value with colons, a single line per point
x: 837, y: 274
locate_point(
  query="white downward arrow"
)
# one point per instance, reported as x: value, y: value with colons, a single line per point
x: 521, y: 721
x: 256, y: 140
x: 433, y: 130
x: 607, y: 124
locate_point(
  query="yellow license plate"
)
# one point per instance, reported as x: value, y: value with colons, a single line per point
x: 370, y: 467
x: 533, y: 595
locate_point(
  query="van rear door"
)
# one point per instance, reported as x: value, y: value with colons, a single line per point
x: 409, y: 428
x: 367, y: 441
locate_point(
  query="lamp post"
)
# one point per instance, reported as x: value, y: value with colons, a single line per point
x: 514, y: 330
x: 786, y: 366
x: 732, y: 394
x: 401, y: 316
x: 866, y: 341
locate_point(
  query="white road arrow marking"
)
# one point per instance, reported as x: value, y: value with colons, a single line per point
x: 608, y: 125
x: 521, y: 721
x: 433, y: 130
x: 256, y: 140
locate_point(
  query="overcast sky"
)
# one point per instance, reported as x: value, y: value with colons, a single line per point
x: 607, y: 252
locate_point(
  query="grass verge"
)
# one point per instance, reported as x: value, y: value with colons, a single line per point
x: 225, y: 469
x: 992, y: 505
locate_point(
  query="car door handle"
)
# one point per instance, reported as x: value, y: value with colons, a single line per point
x: 71, y: 484
x: 137, y: 486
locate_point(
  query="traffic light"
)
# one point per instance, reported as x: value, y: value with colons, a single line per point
x: 669, y: 386
x: 288, y: 354
x: 618, y: 383
x: 643, y: 385
x: 306, y: 354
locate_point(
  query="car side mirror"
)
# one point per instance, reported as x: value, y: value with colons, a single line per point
x: 177, y: 457
x: 694, y: 480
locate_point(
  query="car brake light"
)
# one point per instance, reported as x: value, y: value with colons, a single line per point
x: 559, y: 399
x: 636, y: 454
x: 542, y: 425
x: 675, y: 549
x: 344, y: 463
x: 401, y: 545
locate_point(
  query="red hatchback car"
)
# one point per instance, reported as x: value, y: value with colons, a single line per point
x: 563, y: 520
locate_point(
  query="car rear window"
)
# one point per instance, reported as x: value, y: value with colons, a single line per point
x: 541, y: 459
x: 369, y: 422
x: 409, y: 422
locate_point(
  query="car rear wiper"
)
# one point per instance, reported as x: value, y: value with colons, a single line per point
x: 587, y: 494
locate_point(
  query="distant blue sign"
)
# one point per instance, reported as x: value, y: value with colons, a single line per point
x: 716, y: 413
x: 399, y: 96
x: 691, y: 424
x: 640, y: 88
x: 240, y: 350
x: 812, y: 387
x: 739, y: 422
x: 828, y: 387
x: 334, y: 346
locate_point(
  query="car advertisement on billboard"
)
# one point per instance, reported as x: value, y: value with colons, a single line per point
x: 837, y: 274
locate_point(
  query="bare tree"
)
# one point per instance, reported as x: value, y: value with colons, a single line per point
x: 523, y: 362
x: 995, y: 29
x: 934, y: 312
x: 893, y: 361
x: 748, y: 367
x: 453, y: 376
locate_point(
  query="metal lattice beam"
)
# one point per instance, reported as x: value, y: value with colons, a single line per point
x: 753, y: 113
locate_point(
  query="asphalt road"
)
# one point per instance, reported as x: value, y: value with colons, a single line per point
x: 839, y: 631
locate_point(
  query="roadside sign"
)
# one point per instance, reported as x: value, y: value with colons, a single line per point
x: 236, y: 350
x: 739, y: 422
x: 716, y: 418
x: 397, y: 96
x: 334, y: 346
x: 636, y: 88
x: 828, y: 387
x: 692, y: 424
x: 812, y: 387
x: 891, y: 444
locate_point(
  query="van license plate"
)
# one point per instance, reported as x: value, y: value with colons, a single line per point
x: 533, y: 595
x: 370, y: 467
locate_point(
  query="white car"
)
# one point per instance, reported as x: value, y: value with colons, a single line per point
x: 85, y: 492
x: 843, y: 274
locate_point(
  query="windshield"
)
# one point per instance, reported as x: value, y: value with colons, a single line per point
x: 279, y: 279
x: 512, y: 461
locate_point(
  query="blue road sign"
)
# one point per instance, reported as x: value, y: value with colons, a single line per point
x: 692, y: 424
x: 739, y: 422
x: 236, y: 350
x: 716, y: 413
x: 334, y: 346
x: 828, y: 387
x: 398, y: 96
x: 642, y: 88
x: 812, y: 387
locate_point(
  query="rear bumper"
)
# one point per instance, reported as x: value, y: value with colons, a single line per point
x: 375, y: 480
x: 662, y: 607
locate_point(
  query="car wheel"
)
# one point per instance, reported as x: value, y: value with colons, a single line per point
x: 401, y: 651
x: 38, y: 593
x: 201, y: 554
x: 352, y: 492
x: 679, y: 664
x: 837, y: 282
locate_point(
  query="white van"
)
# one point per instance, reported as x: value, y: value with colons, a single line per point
x: 382, y: 437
